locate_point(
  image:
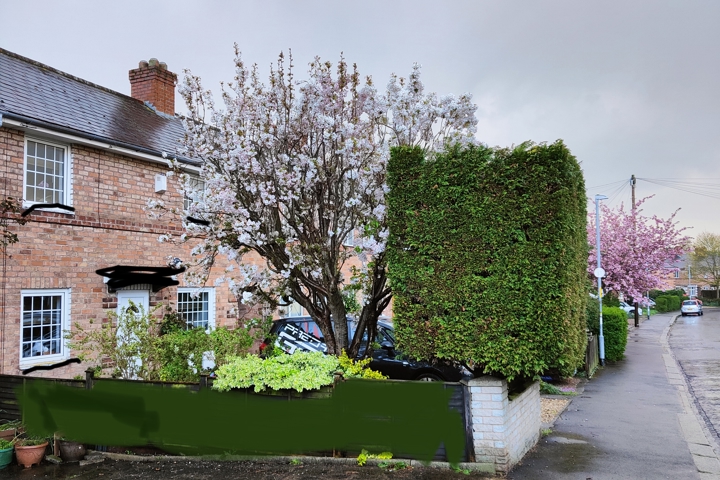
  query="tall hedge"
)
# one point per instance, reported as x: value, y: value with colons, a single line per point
x: 487, y: 256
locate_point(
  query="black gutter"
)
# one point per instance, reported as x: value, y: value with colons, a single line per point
x: 90, y: 136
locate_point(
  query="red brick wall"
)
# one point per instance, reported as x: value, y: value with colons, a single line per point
x: 109, y: 227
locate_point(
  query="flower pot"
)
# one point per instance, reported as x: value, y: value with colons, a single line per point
x: 5, y: 457
x: 8, y: 434
x: 28, y: 455
x: 71, y: 451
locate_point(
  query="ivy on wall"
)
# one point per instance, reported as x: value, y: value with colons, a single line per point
x: 488, y: 255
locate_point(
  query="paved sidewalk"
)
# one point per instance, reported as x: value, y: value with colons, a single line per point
x: 634, y: 420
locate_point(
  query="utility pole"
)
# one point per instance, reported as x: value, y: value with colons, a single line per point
x: 633, y: 180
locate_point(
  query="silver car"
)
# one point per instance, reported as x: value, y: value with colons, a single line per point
x: 691, y: 306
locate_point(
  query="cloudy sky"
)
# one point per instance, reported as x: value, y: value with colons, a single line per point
x: 630, y: 86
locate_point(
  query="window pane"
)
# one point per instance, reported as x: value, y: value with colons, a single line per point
x: 31, y: 150
x: 195, y: 310
x: 42, y: 325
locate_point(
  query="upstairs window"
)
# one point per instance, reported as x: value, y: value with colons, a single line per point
x: 676, y: 273
x: 197, y: 185
x: 47, y: 173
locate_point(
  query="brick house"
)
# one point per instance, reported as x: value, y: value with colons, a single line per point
x: 681, y: 276
x: 65, y: 140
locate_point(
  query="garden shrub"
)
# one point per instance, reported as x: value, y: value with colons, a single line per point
x: 615, y: 331
x: 668, y: 303
x: 299, y: 371
x: 592, y: 316
x: 136, y: 344
x: 487, y: 257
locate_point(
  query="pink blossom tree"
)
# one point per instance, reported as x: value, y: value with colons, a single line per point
x: 295, y: 172
x: 635, y: 249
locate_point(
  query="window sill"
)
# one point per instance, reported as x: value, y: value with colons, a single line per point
x: 41, y: 360
x: 62, y: 211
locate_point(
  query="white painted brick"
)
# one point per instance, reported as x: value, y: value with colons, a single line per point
x: 498, y: 413
x: 482, y: 397
x: 478, y: 436
x: 483, y: 443
x: 494, y: 420
x: 498, y: 397
x: 479, y: 427
x: 493, y: 390
x: 502, y: 444
x: 500, y: 428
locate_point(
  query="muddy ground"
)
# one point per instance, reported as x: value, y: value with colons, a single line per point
x: 240, y: 470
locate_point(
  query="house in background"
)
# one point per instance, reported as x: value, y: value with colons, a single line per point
x: 65, y: 140
x: 681, y: 276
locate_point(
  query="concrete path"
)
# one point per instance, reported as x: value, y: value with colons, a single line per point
x: 634, y: 420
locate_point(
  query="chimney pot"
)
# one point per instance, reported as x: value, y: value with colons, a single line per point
x: 143, y: 64
x: 153, y: 62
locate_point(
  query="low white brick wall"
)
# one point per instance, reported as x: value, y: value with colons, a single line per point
x: 503, y: 430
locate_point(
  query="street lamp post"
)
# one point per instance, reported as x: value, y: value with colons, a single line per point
x: 599, y: 273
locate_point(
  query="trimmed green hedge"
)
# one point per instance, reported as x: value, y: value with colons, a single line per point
x: 668, y: 303
x: 488, y: 256
x: 615, y: 331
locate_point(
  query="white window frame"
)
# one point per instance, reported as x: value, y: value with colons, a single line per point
x: 692, y: 290
x: 676, y: 273
x: 349, y: 239
x: 197, y: 181
x: 67, y: 195
x: 192, y: 292
x: 64, y: 327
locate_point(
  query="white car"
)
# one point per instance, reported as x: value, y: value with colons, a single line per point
x: 691, y: 306
x: 628, y: 308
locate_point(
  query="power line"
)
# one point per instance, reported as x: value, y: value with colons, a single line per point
x: 709, y: 190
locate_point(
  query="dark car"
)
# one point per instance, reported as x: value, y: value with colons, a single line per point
x: 302, y: 333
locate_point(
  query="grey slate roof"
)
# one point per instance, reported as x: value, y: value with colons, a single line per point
x: 31, y: 90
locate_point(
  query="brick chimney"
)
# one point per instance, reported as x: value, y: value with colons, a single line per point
x: 153, y: 82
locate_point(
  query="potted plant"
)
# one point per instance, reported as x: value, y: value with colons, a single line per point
x: 30, y: 450
x: 6, y: 452
x: 8, y: 430
x: 71, y: 451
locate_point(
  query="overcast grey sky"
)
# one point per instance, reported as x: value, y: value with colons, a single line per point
x: 630, y: 86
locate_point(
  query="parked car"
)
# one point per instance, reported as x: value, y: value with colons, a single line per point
x: 302, y: 333
x: 691, y: 306
x: 628, y: 308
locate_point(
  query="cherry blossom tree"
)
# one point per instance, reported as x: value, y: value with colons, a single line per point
x: 635, y: 249
x: 295, y: 172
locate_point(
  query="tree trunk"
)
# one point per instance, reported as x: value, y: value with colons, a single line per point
x: 339, y: 315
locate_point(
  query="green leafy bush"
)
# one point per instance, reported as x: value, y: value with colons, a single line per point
x: 138, y: 344
x: 487, y: 257
x: 592, y: 316
x: 615, y: 331
x: 299, y: 371
x: 668, y: 303
x: 358, y: 368
x: 125, y: 345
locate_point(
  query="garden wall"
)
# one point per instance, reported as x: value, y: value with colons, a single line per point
x: 503, y: 430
